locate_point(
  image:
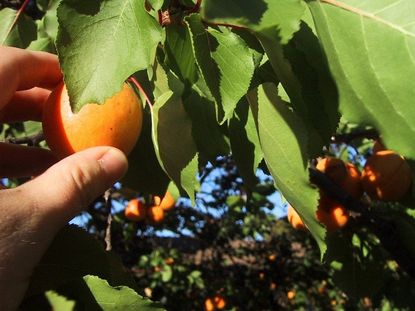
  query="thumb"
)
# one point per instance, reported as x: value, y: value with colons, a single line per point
x: 67, y: 187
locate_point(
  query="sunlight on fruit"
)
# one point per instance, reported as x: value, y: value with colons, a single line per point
x: 386, y: 176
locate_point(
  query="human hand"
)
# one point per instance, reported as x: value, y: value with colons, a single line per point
x: 32, y: 214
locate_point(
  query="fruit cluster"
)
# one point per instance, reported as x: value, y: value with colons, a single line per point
x: 136, y: 210
x: 216, y: 302
x: 386, y: 176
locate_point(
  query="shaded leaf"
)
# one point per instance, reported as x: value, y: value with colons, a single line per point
x: 303, y: 71
x: 370, y: 47
x: 206, y: 132
x: 283, y: 15
x: 66, y: 261
x: 246, y: 148
x: 117, y: 298
x: 58, y: 302
x: 225, y: 61
x: 284, y: 138
x: 18, y: 35
x: 173, y: 141
x: 144, y: 171
x: 179, y: 51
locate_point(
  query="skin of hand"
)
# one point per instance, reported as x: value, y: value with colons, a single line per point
x: 32, y: 214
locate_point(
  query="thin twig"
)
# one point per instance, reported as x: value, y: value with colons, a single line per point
x: 107, y: 199
x: 32, y: 140
x: 347, y: 138
x: 335, y: 192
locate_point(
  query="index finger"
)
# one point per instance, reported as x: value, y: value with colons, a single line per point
x: 23, y: 69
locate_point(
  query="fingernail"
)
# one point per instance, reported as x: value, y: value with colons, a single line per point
x: 114, y: 163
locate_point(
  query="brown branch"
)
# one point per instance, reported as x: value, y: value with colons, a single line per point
x: 337, y: 193
x: 32, y: 140
x: 347, y: 138
x: 107, y: 198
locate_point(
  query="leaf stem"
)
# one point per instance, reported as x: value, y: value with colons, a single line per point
x: 19, y: 12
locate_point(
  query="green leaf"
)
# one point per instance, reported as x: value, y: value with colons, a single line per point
x: 144, y: 171
x: 66, y: 261
x: 101, y: 43
x: 50, y: 20
x: 303, y: 71
x: 166, y: 274
x: 173, y: 141
x: 228, y: 76
x: 284, y: 138
x: 206, y: 132
x: 179, y: 52
x: 117, y: 298
x: 370, y: 47
x: 246, y: 147
x: 22, y: 33
x: 357, y: 275
x: 283, y: 15
x: 58, y: 302
x: 156, y: 4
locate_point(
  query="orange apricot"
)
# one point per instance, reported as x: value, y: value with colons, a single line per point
x: 272, y: 257
x: 209, y: 305
x: 216, y: 302
x: 291, y: 295
x: 135, y: 210
x: 378, y: 146
x: 155, y: 214
x: 333, y: 218
x: 219, y: 302
x: 295, y: 219
x: 117, y: 122
x: 386, y: 176
x: 169, y: 261
x: 345, y: 175
x: 167, y: 203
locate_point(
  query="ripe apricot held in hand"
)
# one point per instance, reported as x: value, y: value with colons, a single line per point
x: 345, y: 175
x: 135, y: 210
x: 386, y: 176
x: 295, y: 219
x: 117, y: 122
x: 167, y: 203
x: 155, y: 214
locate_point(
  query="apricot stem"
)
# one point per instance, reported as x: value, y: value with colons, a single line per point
x: 140, y: 88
